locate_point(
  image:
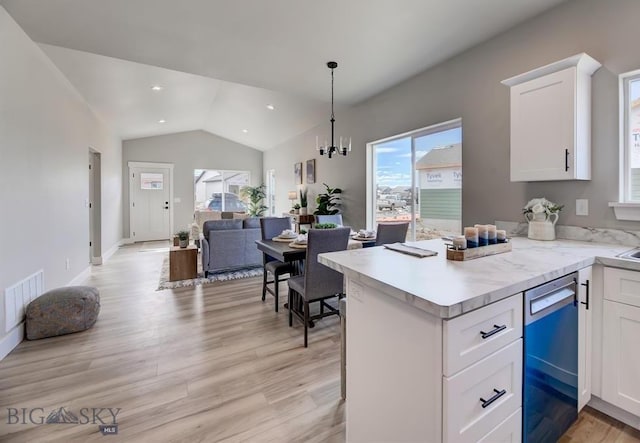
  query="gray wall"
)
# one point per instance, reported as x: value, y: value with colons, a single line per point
x: 46, y: 129
x: 188, y: 151
x: 468, y: 86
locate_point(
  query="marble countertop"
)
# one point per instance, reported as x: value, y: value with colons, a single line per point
x: 448, y: 288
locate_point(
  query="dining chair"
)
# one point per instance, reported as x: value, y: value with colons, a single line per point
x: 271, y: 227
x: 319, y: 282
x: 336, y: 219
x: 391, y: 233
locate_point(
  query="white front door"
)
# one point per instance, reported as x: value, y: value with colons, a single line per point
x: 150, y: 202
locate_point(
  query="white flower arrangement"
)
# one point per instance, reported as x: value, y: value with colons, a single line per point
x: 539, y: 207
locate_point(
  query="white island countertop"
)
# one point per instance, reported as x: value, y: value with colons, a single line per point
x: 448, y: 288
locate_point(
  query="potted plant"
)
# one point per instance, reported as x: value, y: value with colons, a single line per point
x: 303, y: 202
x: 183, y: 238
x: 328, y: 202
x: 256, y: 196
x: 542, y: 215
x: 296, y: 208
x: 325, y: 226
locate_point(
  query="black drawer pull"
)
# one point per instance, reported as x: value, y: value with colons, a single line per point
x: 566, y: 160
x: 493, y: 331
x: 586, y: 285
x: 498, y: 394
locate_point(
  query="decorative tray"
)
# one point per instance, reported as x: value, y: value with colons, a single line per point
x: 481, y: 251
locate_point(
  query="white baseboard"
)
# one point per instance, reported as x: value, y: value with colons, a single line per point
x: 81, y: 277
x: 11, y: 340
x: 615, y: 412
x: 127, y: 241
x: 96, y: 260
x: 112, y: 250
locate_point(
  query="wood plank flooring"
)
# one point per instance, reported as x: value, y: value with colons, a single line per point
x: 205, y: 364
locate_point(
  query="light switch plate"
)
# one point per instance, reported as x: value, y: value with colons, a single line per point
x: 582, y: 206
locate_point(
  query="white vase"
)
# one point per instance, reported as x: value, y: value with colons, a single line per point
x: 303, y: 211
x: 542, y: 228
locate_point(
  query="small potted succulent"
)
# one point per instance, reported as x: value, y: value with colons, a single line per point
x: 296, y: 208
x: 183, y: 238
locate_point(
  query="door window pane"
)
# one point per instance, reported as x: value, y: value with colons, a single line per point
x: 150, y: 180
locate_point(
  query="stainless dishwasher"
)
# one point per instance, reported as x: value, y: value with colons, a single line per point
x: 550, y: 388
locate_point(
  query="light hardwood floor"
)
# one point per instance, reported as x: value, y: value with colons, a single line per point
x: 208, y: 364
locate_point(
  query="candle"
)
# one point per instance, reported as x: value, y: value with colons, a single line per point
x: 471, y: 234
x: 483, y: 235
x: 491, y: 229
x: 501, y: 236
x: 459, y: 242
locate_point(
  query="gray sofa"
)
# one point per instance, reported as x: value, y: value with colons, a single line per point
x: 230, y: 244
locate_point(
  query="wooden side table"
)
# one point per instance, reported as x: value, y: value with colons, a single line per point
x: 183, y: 263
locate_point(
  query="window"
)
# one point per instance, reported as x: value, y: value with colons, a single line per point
x: 630, y: 87
x: 417, y: 177
x: 218, y: 190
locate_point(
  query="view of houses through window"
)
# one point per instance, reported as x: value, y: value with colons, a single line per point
x: 218, y: 190
x: 418, y: 178
x: 632, y: 113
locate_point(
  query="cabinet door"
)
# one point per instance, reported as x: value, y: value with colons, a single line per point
x: 543, y: 128
x: 621, y: 359
x: 585, y: 315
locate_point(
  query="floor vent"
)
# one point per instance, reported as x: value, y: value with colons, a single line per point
x: 18, y: 296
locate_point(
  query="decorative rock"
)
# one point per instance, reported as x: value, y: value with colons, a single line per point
x: 62, y: 311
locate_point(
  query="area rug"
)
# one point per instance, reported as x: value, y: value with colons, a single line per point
x: 201, y: 279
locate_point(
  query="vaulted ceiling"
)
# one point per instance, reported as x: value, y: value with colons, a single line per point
x: 220, y: 62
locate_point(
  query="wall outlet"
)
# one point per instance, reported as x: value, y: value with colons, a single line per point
x: 582, y: 206
x: 67, y: 264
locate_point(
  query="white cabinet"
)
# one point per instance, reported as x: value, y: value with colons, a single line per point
x: 621, y: 334
x: 475, y: 335
x: 397, y: 387
x: 551, y: 121
x: 479, y: 398
x: 585, y: 331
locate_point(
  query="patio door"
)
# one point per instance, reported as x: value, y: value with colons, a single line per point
x: 150, y: 201
x: 417, y: 177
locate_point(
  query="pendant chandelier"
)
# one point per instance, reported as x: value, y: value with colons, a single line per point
x: 331, y: 149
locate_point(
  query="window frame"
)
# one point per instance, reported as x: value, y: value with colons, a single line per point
x: 625, y: 148
x: 371, y: 165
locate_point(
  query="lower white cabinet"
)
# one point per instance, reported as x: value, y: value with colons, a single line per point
x: 621, y: 358
x: 480, y: 397
x: 509, y: 431
x: 585, y: 335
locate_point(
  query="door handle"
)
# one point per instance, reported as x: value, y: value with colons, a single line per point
x: 497, y: 395
x: 566, y: 160
x: 586, y: 302
x: 494, y: 331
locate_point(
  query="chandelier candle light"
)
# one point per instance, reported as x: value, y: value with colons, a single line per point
x: 342, y: 149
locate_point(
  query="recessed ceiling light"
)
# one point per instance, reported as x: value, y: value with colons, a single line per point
x: 271, y: 107
x: 156, y: 88
x: 245, y: 131
x: 162, y: 121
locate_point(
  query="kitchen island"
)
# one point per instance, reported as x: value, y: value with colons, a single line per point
x: 417, y: 361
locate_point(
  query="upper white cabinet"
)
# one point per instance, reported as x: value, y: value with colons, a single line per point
x: 551, y: 121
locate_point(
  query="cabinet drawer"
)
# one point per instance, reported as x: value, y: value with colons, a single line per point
x: 495, y: 383
x: 473, y: 336
x: 622, y: 286
x: 509, y: 431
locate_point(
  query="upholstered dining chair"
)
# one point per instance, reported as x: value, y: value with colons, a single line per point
x: 319, y: 282
x: 391, y: 233
x: 336, y: 219
x: 271, y: 227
